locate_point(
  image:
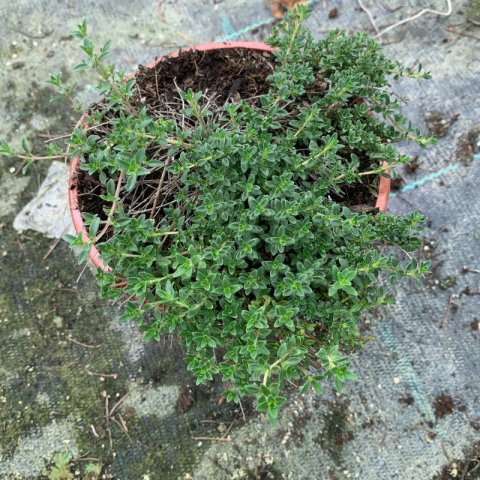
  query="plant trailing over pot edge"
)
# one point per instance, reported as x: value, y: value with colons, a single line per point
x: 244, y: 218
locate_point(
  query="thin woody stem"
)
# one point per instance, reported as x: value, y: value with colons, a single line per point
x: 112, y: 210
x: 159, y: 189
x: 34, y: 157
x: 369, y: 172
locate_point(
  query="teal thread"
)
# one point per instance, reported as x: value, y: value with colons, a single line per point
x: 235, y: 34
x: 433, y: 176
x: 227, y: 24
x: 430, y: 177
x: 238, y: 33
x: 407, y: 372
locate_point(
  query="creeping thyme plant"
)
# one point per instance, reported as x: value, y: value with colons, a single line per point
x: 246, y: 251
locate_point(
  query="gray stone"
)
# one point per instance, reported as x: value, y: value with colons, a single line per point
x: 48, y: 212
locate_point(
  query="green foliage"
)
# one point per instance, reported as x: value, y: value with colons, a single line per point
x: 6, y: 150
x: 93, y: 471
x: 63, y: 464
x: 258, y: 271
x: 61, y: 469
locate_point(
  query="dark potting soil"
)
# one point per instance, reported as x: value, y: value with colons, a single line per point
x: 443, y: 405
x: 229, y: 74
x: 223, y: 75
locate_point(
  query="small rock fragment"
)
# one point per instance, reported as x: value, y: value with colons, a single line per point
x: 333, y: 13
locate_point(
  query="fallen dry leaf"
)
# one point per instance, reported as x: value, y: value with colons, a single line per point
x: 279, y: 7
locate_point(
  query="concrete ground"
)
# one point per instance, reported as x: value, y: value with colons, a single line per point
x: 65, y: 361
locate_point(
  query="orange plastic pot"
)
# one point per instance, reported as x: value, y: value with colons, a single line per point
x: 79, y: 226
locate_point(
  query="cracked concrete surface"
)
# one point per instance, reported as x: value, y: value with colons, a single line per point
x: 62, y: 351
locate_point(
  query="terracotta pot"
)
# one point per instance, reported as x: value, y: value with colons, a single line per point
x: 383, y: 190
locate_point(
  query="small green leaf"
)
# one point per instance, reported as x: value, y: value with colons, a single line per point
x: 232, y: 229
x: 131, y: 181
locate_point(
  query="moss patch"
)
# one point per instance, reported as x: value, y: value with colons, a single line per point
x: 62, y: 352
x: 473, y: 11
x: 60, y: 356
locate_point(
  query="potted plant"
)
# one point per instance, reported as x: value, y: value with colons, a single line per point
x: 235, y: 196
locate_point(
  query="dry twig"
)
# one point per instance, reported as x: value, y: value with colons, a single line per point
x: 369, y: 14
x: 159, y: 189
x: 415, y: 16
x: 106, y: 375
x: 450, y: 304
x: 110, y: 416
x: 51, y: 249
x: 71, y: 339
x: 448, y: 28
x: 215, y: 439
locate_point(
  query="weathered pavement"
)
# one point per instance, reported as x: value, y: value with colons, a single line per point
x: 62, y: 351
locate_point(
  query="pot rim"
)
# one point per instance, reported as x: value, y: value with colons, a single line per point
x: 78, y: 224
